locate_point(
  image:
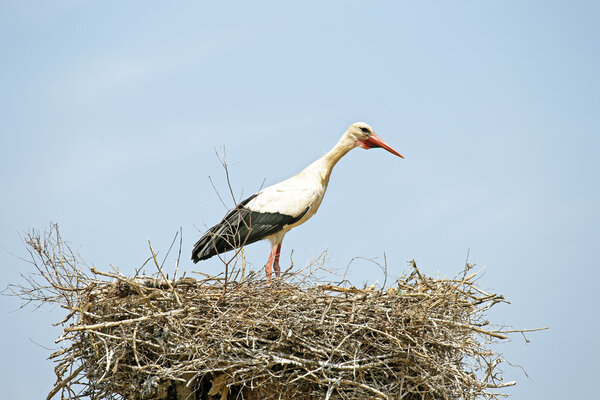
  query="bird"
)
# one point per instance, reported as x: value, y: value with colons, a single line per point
x: 275, y: 210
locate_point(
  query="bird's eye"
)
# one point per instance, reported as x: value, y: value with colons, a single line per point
x: 365, y: 130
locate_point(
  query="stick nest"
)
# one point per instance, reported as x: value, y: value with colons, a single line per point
x: 245, y: 338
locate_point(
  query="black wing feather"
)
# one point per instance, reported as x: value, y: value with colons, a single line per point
x: 240, y: 227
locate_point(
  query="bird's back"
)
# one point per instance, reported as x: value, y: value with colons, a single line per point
x: 241, y: 226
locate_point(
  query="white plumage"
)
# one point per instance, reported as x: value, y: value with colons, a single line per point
x: 272, y: 212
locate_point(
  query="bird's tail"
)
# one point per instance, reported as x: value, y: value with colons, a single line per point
x: 203, y: 249
x: 229, y: 234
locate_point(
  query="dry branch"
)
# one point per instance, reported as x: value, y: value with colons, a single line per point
x: 296, y: 338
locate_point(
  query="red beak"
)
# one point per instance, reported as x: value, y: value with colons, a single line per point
x: 376, y: 141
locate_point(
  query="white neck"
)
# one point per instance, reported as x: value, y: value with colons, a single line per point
x: 343, y: 146
x: 328, y: 161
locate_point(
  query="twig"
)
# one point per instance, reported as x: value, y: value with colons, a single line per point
x: 163, y: 274
x: 64, y: 382
x: 127, y: 321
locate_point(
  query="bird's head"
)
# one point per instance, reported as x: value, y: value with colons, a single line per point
x: 364, y: 136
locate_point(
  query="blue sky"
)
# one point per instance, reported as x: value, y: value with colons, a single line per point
x: 110, y: 114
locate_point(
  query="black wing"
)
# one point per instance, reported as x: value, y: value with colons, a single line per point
x: 240, y: 227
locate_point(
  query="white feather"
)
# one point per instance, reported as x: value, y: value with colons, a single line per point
x: 303, y: 191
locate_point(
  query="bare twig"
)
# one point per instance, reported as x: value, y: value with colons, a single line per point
x: 163, y: 274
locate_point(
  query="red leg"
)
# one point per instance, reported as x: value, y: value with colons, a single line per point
x: 276, y: 263
x: 269, y: 264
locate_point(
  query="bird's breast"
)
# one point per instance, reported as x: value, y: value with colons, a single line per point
x: 291, y: 197
x: 300, y: 195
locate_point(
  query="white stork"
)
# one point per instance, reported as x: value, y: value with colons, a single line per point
x: 273, y: 211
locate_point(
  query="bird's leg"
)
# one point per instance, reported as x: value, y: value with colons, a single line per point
x: 276, y: 262
x: 269, y: 264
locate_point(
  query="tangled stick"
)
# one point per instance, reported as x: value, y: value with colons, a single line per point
x: 146, y: 337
